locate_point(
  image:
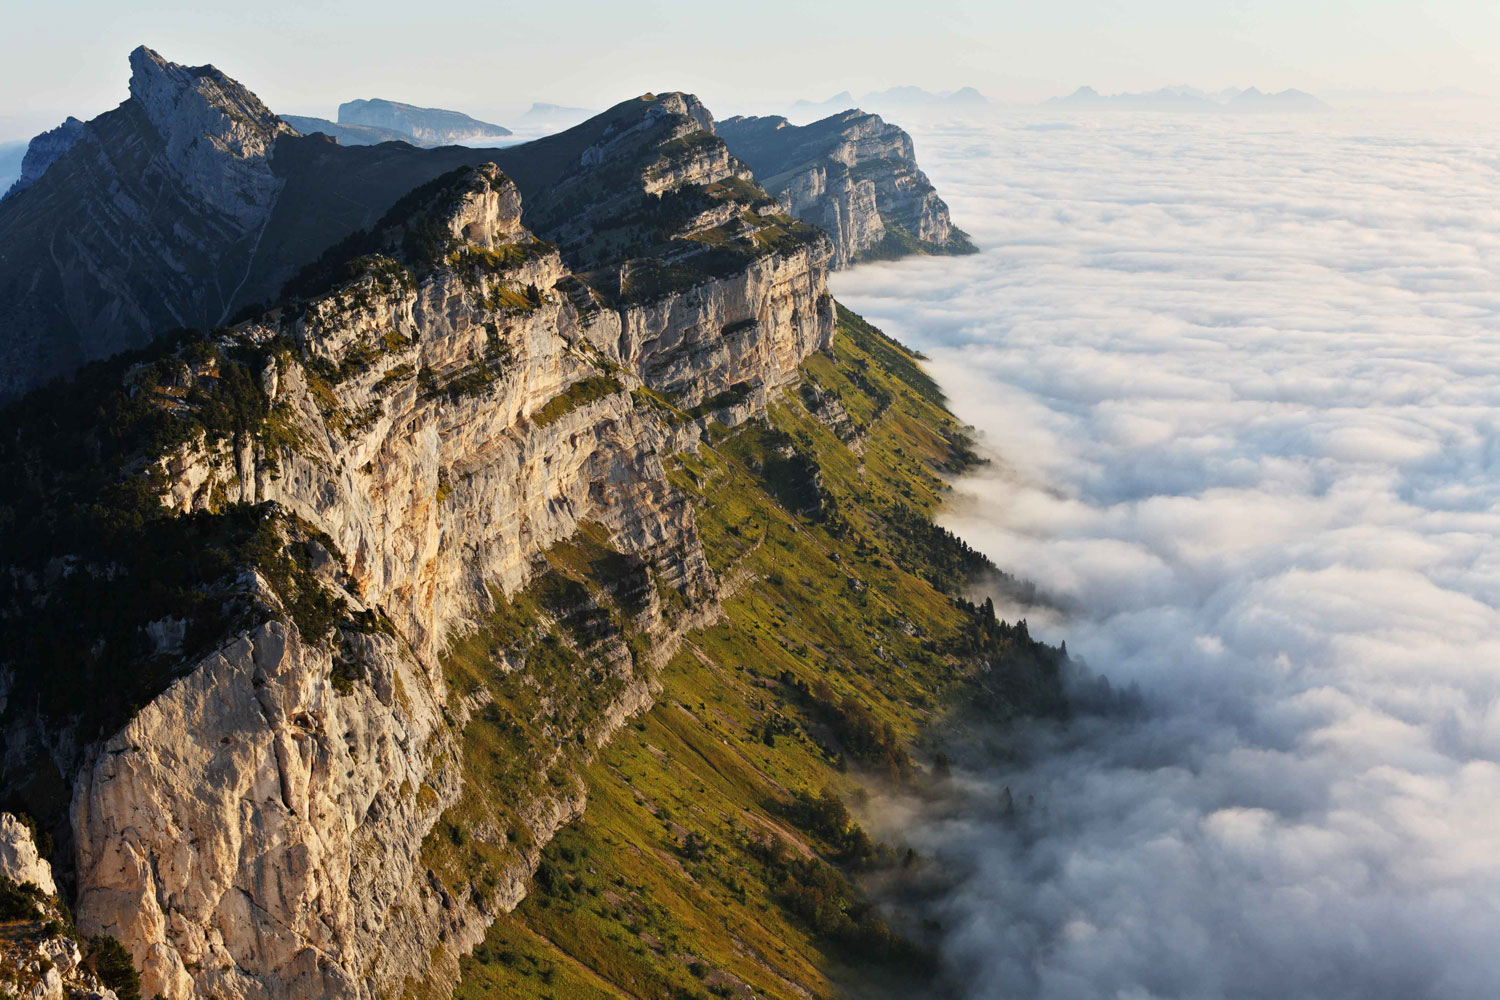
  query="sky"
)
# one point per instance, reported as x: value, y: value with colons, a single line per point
x: 492, y: 59
x: 1239, y: 379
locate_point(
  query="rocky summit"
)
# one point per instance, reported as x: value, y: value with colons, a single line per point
x: 855, y: 176
x: 138, y: 221
x: 317, y: 621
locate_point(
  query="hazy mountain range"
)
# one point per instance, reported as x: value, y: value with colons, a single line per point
x: 367, y: 122
x: 557, y: 115
x: 904, y: 98
x: 1184, y: 98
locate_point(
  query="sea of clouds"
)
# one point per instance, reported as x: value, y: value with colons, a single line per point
x: 1241, y: 382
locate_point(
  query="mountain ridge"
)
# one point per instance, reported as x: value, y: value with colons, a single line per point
x: 246, y: 206
x: 522, y: 384
x: 854, y: 175
x: 316, y: 621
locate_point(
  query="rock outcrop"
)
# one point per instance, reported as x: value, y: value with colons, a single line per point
x: 43, y: 151
x: 41, y: 957
x: 855, y: 176
x: 425, y: 126
x: 20, y: 861
x: 380, y: 460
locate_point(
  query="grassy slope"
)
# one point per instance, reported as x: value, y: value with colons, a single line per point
x: 679, y: 879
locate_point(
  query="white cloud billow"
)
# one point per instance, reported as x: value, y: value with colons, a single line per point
x: 1242, y: 379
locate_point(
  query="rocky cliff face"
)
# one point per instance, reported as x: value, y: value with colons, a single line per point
x: 854, y: 175
x: 217, y: 135
x: 365, y: 474
x: 187, y: 203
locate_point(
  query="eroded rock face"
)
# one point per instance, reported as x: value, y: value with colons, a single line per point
x: 853, y: 174
x: 753, y: 329
x: 254, y: 832
x: 19, y: 860
x: 39, y: 959
x: 217, y: 135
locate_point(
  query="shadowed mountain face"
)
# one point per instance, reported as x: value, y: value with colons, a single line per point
x: 143, y: 223
x: 854, y: 175
x: 42, y: 152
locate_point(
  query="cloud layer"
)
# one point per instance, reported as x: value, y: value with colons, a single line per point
x: 1242, y: 379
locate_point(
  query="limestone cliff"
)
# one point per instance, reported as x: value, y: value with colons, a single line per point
x: 41, y: 956
x: 854, y: 175
x: 309, y: 509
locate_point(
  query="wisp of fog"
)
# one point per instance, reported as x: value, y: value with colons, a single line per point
x: 1241, y: 382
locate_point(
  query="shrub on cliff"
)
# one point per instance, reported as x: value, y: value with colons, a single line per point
x: 111, y: 962
x: 19, y: 900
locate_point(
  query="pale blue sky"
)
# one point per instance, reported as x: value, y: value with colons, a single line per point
x: 68, y: 56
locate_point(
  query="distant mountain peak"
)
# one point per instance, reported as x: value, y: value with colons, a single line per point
x: 1253, y: 99
x: 906, y: 98
x: 544, y: 108
x: 426, y: 126
x: 216, y: 133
